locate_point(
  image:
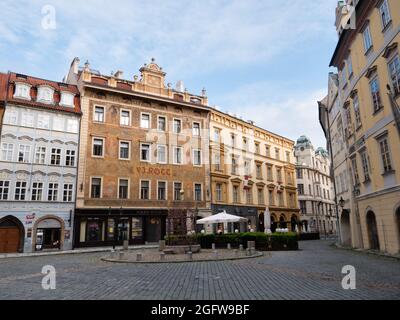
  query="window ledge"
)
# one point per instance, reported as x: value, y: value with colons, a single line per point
x: 370, y: 49
x: 387, y: 26
x: 378, y: 110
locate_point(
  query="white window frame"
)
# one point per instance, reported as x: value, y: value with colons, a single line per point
x: 140, y: 151
x: 18, y: 90
x: 3, y: 187
x: 67, y: 99
x: 382, y: 8
x: 43, y: 119
x: 201, y: 192
x: 104, y: 143
x: 70, y: 192
x: 166, y: 190
x: 140, y: 189
x: 27, y: 119
x: 173, y: 126
x: 129, y: 150
x: 7, y: 151
x: 26, y: 153
x: 368, y: 44
x: 20, y: 189
x: 193, y: 129
x: 37, y: 189
x: 128, y: 191
x: 165, y: 125
x: 121, y: 118
x: 141, y: 120
x: 173, y: 191
x: 41, y: 96
x: 51, y: 155
x: 166, y: 153
x: 219, y: 192
x: 40, y: 154
x: 94, y: 113
x: 71, y: 157
x: 194, y: 157
x: 53, y: 192
x: 101, y: 187
x: 73, y: 125
x: 174, y: 148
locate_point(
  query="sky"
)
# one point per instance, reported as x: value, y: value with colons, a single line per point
x: 264, y: 60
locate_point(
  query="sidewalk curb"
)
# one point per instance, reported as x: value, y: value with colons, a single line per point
x: 67, y: 252
x: 368, y: 252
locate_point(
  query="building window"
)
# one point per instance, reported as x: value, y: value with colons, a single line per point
x: 196, y: 129
x: 23, y: 91
x: 217, y: 162
x: 98, y: 147
x: 235, y: 194
x: 43, y: 121
x: 177, y: 191
x: 37, y: 191
x: 99, y: 114
x: 245, y: 144
x: 356, y: 177
x: 365, y: 165
x: 55, y: 159
x: 299, y: 173
x: 259, y: 171
x: 68, y: 191
x: 162, y: 154
x: 234, y: 165
x: 247, y: 168
x: 269, y: 173
x: 217, y: 135
x: 394, y: 68
x: 279, y: 174
x: 376, y: 96
x: 67, y: 99
x: 249, y: 195
x: 7, y: 150
x: 70, y: 156
x: 271, y: 197
x: 260, y: 196
x: 385, y: 155
x: 349, y: 67
x: 161, y: 190
x: 177, y: 126
x: 24, y: 153
x: 162, y: 124
x: 268, y: 151
x: 367, y: 39
x: 280, y: 198
x: 40, y: 155
x: 303, y: 207
x: 4, y: 190
x: 20, y: 190
x: 145, y: 121
x: 198, y: 194
x: 45, y: 95
x: 356, y: 105
x: 96, y: 188
x: 123, y: 190
x: 10, y: 117
x: 257, y: 147
x: 125, y: 118
x: 124, y: 150
x: 300, y: 189
x: 197, y: 157
x: 145, y: 190
x: 52, y: 192
x: 178, y: 155
x: 385, y: 14
x: 233, y: 140
x: 277, y: 154
x: 218, y: 191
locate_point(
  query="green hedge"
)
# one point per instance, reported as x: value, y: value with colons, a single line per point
x: 264, y: 242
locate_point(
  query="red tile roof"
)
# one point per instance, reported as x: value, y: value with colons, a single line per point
x: 35, y: 83
x: 3, y: 86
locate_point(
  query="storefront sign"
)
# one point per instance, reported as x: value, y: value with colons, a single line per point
x: 67, y: 234
x: 154, y: 171
x: 29, y: 218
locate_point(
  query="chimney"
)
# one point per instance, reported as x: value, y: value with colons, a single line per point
x: 119, y: 74
x: 75, y: 65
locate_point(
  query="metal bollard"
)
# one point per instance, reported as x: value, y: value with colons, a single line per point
x: 241, y: 247
x: 162, y: 256
x: 213, y: 246
x: 229, y: 246
x: 248, y: 252
x: 121, y: 255
x: 190, y: 255
x: 139, y: 256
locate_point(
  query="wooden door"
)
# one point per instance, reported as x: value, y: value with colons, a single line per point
x: 9, y: 240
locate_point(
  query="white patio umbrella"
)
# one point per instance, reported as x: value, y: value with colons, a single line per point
x: 221, y: 218
x: 267, y: 221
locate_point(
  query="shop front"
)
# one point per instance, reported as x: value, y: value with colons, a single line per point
x: 109, y: 227
x: 251, y: 213
x: 48, y: 233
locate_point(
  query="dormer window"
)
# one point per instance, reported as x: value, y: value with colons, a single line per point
x: 67, y: 99
x: 22, y: 91
x: 45, y: 94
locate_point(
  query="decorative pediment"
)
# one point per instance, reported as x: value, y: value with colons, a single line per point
x: 69, y: 175
x: 41, y: 140
x: 54, y: 174
x: 389, y: 50
x: 25, y: 138
x: 9, y: 135
x: 260, y: 184
x: 57, y: 141
x: 371, y: 71
x: 236, y: 180
x: 39, y: 173
x: 71, y: 143
x: 22, y: 172
x: 271, y: 186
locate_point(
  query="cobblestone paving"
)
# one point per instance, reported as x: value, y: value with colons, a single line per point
x: 312, y: 273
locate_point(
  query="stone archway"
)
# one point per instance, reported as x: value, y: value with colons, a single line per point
x: 345, y: 228
x: 41, y: 223
x: 372, y: 231
x: 293, y: 223
x: 261, y: 226
x: 12, y: 234
x: 282, y: 222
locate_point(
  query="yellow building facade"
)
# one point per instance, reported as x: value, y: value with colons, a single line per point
x: 252, y: 169
x: 367, y: 58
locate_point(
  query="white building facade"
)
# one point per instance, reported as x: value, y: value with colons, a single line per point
x: 315, y: 188
x: 38, y: 165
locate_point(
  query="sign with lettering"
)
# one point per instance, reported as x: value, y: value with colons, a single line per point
x: 154, y: 171
x: 29, y: 218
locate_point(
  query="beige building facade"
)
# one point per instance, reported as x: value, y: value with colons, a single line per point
x: 252, y: 169
x: 367, y: 58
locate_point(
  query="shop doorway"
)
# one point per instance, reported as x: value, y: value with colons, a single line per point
x: 153, y: 229
x: 48, y: 234
x: 11, y: 235
x: 372, y: 231
x: 345, y: 228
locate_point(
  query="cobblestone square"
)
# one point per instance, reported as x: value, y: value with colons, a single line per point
x: 314, y: 272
